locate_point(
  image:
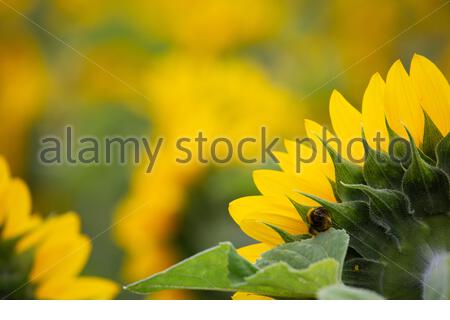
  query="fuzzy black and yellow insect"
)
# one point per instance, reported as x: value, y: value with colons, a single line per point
x: 319, y: 220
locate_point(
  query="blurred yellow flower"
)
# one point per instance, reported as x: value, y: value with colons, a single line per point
x: 23, y: 85
x: 402, y: 100
x: 230, y: 99
x: 42, y: 258
x: 204, y: 26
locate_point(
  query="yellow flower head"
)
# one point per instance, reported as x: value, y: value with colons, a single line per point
x: 396, y: 103
x: 42, y: 258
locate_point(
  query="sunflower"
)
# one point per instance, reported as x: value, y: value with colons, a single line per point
x: 399, y: 106
x: 42, y: 257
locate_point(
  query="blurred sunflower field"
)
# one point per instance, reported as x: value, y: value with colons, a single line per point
x: 169, y: 69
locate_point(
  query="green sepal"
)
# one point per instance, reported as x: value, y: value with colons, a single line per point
x: 302, y: 210
x: 286, y: 236
x: 348, y: 172
x: 427, y: 187
x: 431, y: 137
x: 443, y: 154
x: 398, y: 151
x: 380, y: 171
x: 390, y: 209
x: 333, y: 187
x: 401, y: 152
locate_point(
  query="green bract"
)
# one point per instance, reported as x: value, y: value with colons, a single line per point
x: 397, y: 219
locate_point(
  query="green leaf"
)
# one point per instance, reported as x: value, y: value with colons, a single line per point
x: 293, y: 270
x: 343, y: 292
x: 431, y: 137
x: 443, y: 154
x: 427, y: 187
x: 280, y: 280
x: 214, y: 269
x: 300, y: 254
x: 436, y: 284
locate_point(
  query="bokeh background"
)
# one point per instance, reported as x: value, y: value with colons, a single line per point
x: 171, y: 68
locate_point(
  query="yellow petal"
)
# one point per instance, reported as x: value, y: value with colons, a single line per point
x: 254, y: 212
x: 249, y: 296
x: 287, y: 162
x: 402, y: 105
x: 433, y: 91
x: 60, y: 257
x: 311, y: 163
x: 68, y: 223
x: 347, y: 124
x: 314, y: 131
x: 278, y: 183
x: 4, y: 173
x: 78, y: 288
x: 254, y: 251
x: 17, y: 209
x: 374, y: 120
x: 4, y: 182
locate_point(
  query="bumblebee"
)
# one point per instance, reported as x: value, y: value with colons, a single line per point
x: 319, y: 220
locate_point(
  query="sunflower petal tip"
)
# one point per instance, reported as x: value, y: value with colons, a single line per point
x: 336, y: 94
x: 377, y: 76
x: 396, y: 66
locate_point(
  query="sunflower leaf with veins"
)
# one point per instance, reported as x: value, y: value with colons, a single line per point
x: 297, y: 269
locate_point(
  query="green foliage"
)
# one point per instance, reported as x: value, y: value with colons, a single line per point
x: 300, y: 254
x: 297, y: 269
